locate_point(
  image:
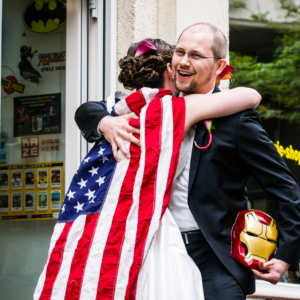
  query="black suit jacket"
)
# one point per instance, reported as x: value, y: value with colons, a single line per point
x: 218, y: 176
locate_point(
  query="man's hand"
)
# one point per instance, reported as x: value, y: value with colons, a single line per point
x: 116, y: 130
x: 274, y: 268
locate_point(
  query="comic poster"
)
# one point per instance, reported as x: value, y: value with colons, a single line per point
x: 16, y: 179
x: 42, y: 178
x: 16, y: 204
x: 55, y: 199
x: 29, y: 201
x: 42, y: 200
x: 3, y: 202
x: 39, y: 114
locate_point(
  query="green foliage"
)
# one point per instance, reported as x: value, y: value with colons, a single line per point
x: 238, y: 4
x: 279, y: 80
x: 260, y: 17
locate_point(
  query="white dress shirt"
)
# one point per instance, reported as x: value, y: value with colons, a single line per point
x: 178, y: 203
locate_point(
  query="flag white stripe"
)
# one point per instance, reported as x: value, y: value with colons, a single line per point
x: 127, y: 253
x: 60, y: 284
x: 149, y: 94
x: 161, y: 184
x: 58, y: 229
x: 93, y: 266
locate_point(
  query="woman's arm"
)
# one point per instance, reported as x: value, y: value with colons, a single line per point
x: 202, y: 107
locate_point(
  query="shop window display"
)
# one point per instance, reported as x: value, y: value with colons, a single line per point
x: 32, y: 143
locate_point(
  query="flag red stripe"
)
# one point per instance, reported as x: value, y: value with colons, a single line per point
x: 55, y: 261
x: 80, y: 258
x: 113, y: 247
x: 153, y: 127
x: 136, y: 101
x: 178, y: 105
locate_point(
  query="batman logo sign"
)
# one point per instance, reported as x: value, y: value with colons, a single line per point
x: 44, y: 16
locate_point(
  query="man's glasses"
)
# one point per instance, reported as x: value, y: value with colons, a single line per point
x: 194, y: 55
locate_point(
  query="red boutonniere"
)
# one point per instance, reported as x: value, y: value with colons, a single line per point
x: 208, y: 124
x: 225, y: 74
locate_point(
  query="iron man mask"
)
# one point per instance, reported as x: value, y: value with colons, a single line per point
x: 253, y: 238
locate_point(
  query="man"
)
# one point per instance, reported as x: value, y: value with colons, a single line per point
x: 209, y: 192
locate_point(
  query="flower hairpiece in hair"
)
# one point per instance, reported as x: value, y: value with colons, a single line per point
x: 225, y: 74
x: 144, y: 47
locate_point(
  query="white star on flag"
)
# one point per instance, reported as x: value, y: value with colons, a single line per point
x: 104, y: 158
x: 71, y: 194
x: 93, y: 171
x: 101, y: 151
x: 90, y: 194
x: 92, y: 201
x: 100, y: 180
x: 82, y: 183
x: 63, y: 208
x: 86, y: 160
x: 79, y: 206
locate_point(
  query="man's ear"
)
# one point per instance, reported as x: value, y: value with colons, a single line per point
x: 169, y: 70
x: 221, y: 64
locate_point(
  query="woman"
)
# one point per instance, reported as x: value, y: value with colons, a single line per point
x: 114, y: 238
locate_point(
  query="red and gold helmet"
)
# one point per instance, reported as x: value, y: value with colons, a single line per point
x: 253, y: 238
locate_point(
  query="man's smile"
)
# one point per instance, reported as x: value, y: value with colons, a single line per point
x: 184, y: 75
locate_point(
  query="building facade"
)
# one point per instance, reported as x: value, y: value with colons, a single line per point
x: 56, y: 55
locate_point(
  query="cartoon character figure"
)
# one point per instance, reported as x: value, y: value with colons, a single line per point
x: 26, y: 69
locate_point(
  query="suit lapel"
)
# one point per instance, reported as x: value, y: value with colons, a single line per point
x: 196, y: 153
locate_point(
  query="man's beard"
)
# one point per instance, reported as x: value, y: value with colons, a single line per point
x: 194, y: 86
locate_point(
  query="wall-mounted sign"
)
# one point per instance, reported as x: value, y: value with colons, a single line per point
x: 42, y: 16
x: 288, y: 152
x: 10, y: 84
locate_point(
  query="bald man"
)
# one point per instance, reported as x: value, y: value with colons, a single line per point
x: 210, y: 191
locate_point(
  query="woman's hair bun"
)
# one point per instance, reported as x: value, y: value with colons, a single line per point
x: 146, y: 70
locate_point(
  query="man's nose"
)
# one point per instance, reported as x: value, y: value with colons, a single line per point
x: 185, y: 61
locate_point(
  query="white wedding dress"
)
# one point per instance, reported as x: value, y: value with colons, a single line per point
x: 169, y: 272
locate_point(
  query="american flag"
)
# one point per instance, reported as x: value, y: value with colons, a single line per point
x: 111, y: 212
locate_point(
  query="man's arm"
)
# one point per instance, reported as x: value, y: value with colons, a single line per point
x: 87, y: 117
x: 94, y: 121
x: 260, y: 157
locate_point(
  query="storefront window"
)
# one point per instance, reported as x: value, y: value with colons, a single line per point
x: 32, y: 148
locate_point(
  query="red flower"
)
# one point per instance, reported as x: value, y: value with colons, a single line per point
x: 225, y: 74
